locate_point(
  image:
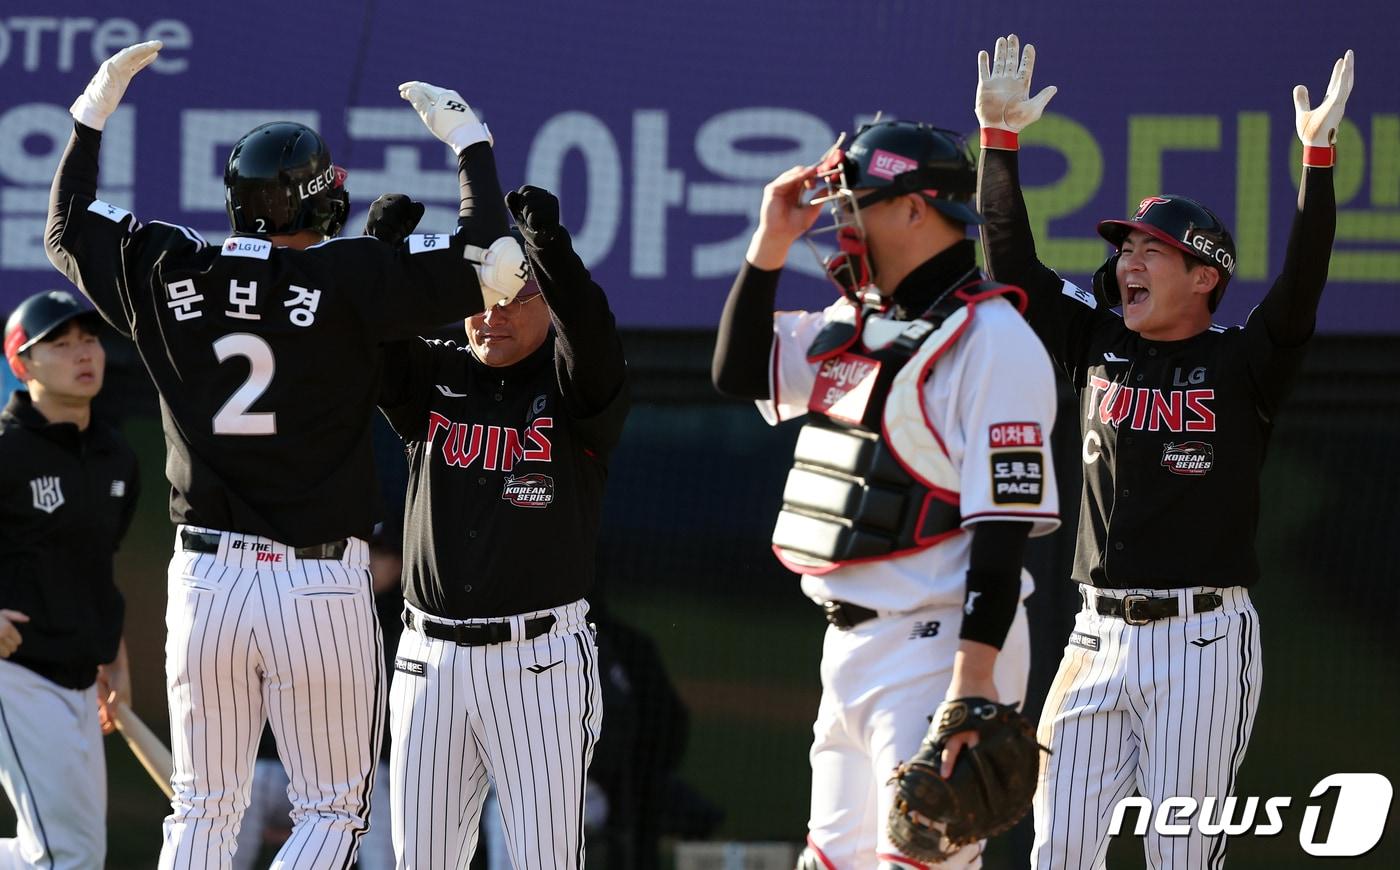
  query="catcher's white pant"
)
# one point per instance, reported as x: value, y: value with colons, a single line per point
x: 1166, y: 708
x: 524, y: 714
x: 880, y: 683
x: 256, y: 635
x: 53, y: 771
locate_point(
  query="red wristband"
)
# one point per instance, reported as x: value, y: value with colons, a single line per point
x: 1319, y: 156
x: 1004, y: 140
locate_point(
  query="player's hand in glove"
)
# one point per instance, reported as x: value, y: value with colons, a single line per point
x: 1004, y: 100
x: 1317, y: 128
x: 536, y: 213
x: 446, y: 114
x: 988, y: 791
x: 392, y: 217
x: 99, y: 100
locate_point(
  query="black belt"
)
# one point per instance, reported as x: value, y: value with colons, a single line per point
x: 476, y: 634
x: 1140, y: 609
x: 208, y: 542
x: 845, y: 615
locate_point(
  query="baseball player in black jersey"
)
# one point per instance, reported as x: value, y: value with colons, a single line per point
x: 508, y: 442
x: 1160, y: 681
x: 68, y: 487
x: 263, y: 350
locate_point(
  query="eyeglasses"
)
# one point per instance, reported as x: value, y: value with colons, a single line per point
x: 520, y: 302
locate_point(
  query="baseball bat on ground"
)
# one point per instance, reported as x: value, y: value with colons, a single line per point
x: 146, y: 746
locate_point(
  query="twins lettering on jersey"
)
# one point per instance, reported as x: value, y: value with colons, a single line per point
x: 1151, y: 410
x: 497, y: 447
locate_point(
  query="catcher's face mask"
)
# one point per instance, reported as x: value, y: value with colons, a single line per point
x: 848, y: 266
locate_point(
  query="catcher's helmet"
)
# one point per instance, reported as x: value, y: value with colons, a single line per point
x: 280, y: 179
x: 1180, y: 222
x: 887, y: 159
x: 40, y: 315
x: 899, y: 157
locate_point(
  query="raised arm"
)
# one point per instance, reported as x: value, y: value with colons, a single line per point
x: 1289, y: 311
x: 588, y: 354
x: 1062, y: 314
x: 741, y: 363
x: 83, y: 244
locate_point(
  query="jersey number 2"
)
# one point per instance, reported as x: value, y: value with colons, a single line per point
x: 234, y: 418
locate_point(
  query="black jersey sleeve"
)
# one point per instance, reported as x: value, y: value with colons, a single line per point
x: 1063, y: 315
x: 588, y: 356
x: 409, y: 368
x: 744, y: 344
x: 83, y: 237
x: 993, y: 581
x: 1278, y: 329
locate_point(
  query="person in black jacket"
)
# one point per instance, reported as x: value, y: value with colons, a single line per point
x: 508, y: 438
x: 1159, y: 684
x: 68, y: 488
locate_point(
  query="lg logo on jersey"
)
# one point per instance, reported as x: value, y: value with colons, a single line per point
x: 1357, y: 805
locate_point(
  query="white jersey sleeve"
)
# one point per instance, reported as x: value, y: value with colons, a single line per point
x: 790, y: 375
x: 1003, y: 409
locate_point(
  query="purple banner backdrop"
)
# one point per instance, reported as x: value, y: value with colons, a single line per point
x: 658, y: 123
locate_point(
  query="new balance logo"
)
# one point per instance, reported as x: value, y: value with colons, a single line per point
x: 539, y: 669
x: 924, y: 629
x: 1110, y: 356
x: 449, y: 393
x: 1206, y: 641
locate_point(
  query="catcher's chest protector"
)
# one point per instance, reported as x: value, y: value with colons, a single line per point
x: 871, y: 478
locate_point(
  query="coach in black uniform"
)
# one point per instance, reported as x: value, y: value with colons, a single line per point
x: 508, y: 443
x: 263, y: 352
x: 68, y: 487
x: 1160, y: 681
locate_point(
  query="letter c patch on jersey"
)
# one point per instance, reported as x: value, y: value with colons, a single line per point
x: 409, y: 666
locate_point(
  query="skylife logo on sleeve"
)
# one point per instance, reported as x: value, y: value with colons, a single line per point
x: 1360, y: 807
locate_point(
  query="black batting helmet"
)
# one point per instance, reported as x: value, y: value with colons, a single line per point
x: 1182, y: 223
x: 899, y: 157
x: 40, y: 315
x: 280, y: 179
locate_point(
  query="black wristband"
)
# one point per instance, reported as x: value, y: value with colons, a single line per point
x: 990, y: 606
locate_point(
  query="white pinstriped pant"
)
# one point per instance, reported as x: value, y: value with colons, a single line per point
x: 1165, y: 707
x: 255, y: 635
x: 524, y: 714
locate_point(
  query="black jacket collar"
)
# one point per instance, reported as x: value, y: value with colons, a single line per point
x: 940, y: 273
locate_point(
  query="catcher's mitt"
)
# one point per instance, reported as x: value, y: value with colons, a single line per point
x: 988, y: 791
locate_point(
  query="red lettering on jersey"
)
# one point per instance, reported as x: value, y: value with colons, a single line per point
x: 1117, y: 402
x: 1014, y: 435
x: 269, y: 557
x: 493, y: 448
x: 1140, y: 405
x: 541, y: 451
x: 1096, y: 384
x: 511, y: 451
x: 435, y: 422
x: 1196, y: 403
x: 452, y: 451
x: 1166, y: 409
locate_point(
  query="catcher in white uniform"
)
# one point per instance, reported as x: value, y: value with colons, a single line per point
x: 920, y: 471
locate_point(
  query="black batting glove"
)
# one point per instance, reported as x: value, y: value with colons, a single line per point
x: 536, y: 213
x: 392, y: 217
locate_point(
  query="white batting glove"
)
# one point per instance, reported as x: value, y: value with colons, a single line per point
x: 1004, y: 87
x: 446, y: 114
x: 500, y: 269
x: 1317, y: 128
x: 97, y: 103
